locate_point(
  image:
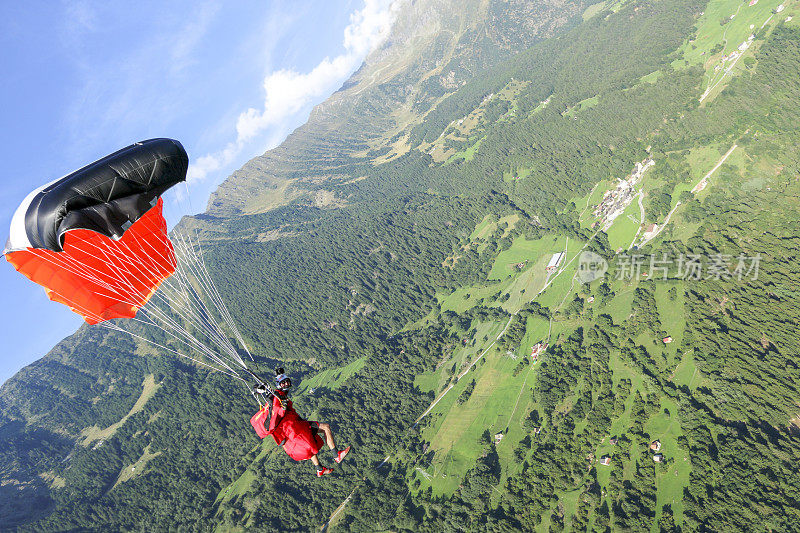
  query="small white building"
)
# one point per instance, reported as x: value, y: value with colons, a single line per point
x: 555, y: 261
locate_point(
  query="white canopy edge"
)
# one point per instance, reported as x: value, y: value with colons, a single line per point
x: 18, y: 236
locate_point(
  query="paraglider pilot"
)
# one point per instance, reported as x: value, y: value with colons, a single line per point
x: 300, y: 438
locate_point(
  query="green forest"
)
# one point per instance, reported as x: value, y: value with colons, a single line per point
x: 417, y: 309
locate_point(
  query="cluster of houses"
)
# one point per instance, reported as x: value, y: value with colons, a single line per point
x: 615, y: 201
x: 734, y: 55
x: 655, y: 447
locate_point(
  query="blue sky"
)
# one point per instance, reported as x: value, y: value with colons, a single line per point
x: 228, y: 79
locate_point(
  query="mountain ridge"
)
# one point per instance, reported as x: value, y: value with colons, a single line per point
x: 369, y: 116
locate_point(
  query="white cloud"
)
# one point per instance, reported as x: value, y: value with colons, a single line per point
x: 208, y: 164
x: 287, y: 91
x: 370, y: 27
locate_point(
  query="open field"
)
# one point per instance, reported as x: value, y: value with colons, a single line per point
x: 711, y: 32
x: 522, y: 173
x: 723, y: 39
x: 466, y: 154
x: 593, y: 10
x: 673, y: 475
x: 456, y: 428
x: 651, y: 78
x: 435, y: 381
x: 149, y: 388
x: 526, y: 285
x: 620, y: 307
x: 701, y: 159
x: 523, y: 250
x: 625, y: 226
x: 670, y: 301
x: 488, y: 226
x: 582, y: 105
x: 687, y: 372
x: 521, y: 286
x: 282, y: 194
x: 331, y: 378
x: 136, y: 469
x: 241, y: 484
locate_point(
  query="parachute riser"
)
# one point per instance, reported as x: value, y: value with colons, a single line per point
x: 261, y: 391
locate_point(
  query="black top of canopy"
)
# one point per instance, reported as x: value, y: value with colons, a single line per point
x: 108, y: 195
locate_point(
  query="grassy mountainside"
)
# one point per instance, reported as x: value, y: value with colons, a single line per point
x: 73, y: 433
x: 401, y: 274
x: 435, y: 48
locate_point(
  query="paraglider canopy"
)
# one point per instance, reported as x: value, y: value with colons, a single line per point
x: 96, y: 239
x: 106, y: 197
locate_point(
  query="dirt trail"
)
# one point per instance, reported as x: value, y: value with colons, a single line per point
x: 699, y: 186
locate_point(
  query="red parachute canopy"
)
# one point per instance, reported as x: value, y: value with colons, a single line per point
x: 100, y: 278
x: 96, y: 240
